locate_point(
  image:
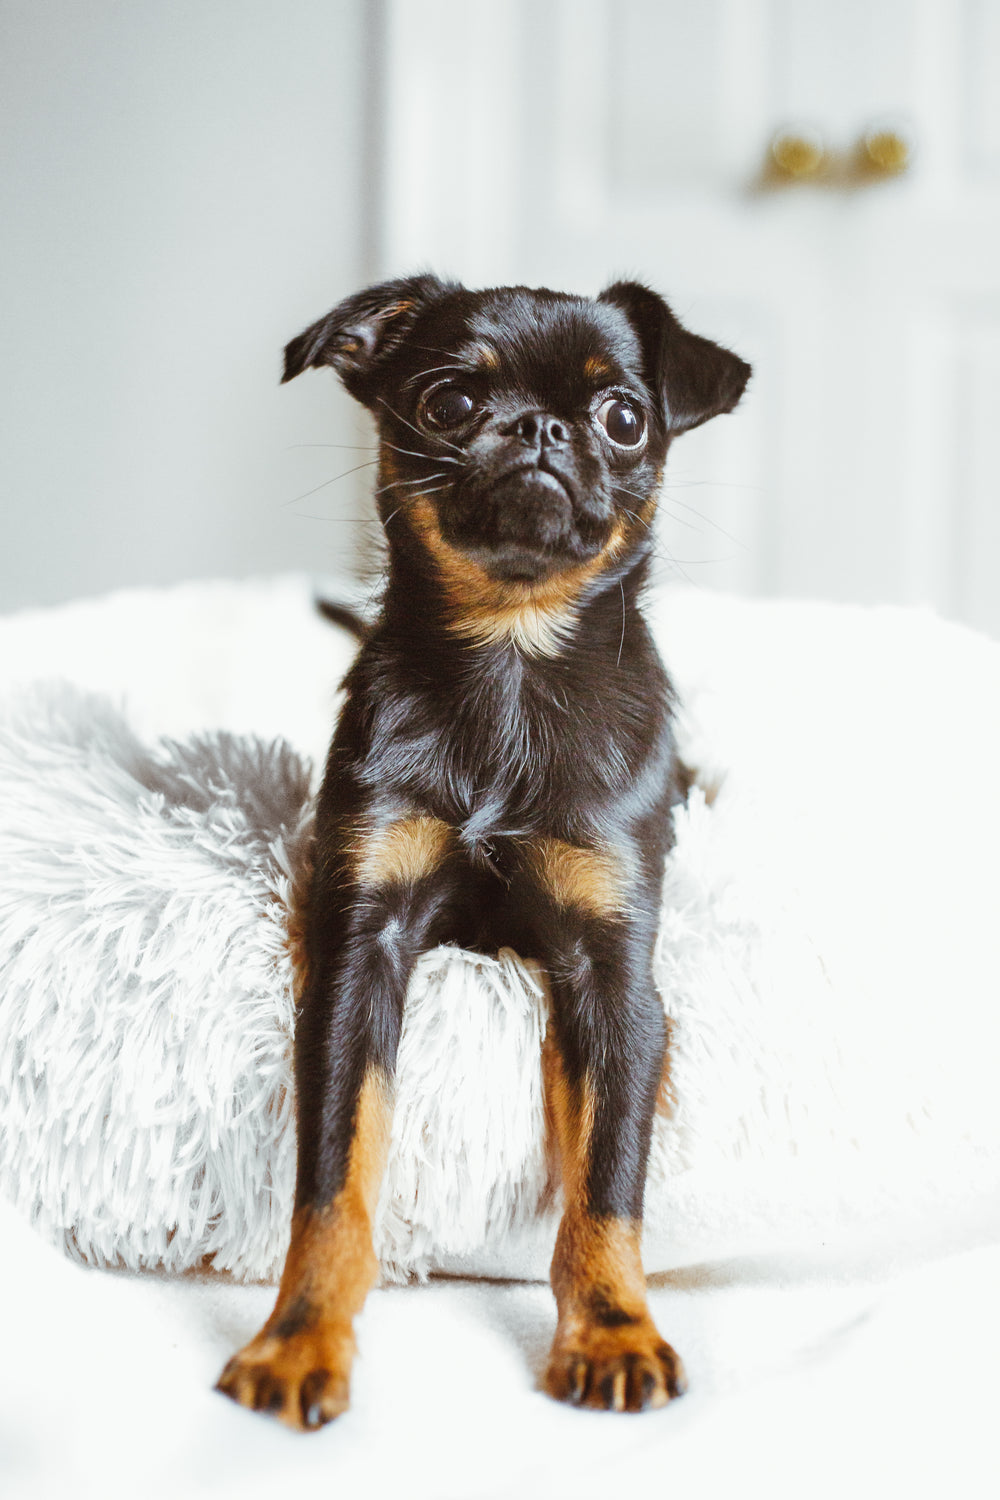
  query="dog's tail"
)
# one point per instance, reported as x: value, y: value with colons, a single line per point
x: 343, y: 615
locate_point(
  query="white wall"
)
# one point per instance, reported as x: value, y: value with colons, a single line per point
x: 187, y: 183
x: 183, y: 189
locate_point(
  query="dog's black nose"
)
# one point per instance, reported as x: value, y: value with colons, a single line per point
x: 539, y: 430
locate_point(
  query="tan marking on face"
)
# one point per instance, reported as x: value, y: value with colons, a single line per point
x: 485, y: 356
x: 401, y: 853
x: 304, y: 1352
x: 593, y: 880
x: 395, y: 309
x: 537, y: 617
x: 597, y: 369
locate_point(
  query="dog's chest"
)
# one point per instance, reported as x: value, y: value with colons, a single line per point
x: 514, y: 752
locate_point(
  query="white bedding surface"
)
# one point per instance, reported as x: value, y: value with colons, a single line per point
x: 827, y: 1376
x: 804, y: 1382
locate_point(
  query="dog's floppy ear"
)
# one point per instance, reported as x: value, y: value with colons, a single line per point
x: 360, y: 333
x: 694, y: 378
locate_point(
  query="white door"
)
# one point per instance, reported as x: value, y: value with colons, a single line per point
x: 568, y: 142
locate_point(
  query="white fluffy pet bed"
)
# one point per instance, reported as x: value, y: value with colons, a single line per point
x: 829, y: 957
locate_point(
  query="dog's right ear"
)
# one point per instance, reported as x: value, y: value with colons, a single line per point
x: 359, y: 334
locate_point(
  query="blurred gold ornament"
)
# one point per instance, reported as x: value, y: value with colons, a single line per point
x: 885, y: 152
x: 798, y: 154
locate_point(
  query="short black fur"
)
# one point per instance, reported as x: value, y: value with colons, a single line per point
x: 503, y: 770
x: 504, y: 745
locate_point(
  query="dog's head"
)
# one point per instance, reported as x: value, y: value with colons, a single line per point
x: 523, y: 433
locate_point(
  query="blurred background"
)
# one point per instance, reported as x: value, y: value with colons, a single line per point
x: 187, y: 183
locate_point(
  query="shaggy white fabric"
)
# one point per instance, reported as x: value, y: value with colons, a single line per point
x: 145, y: 1109
x: 828, y: 959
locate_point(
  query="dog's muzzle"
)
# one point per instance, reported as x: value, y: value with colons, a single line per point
x: 523, y: 524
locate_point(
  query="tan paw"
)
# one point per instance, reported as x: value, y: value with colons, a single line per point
x: 627, y: 1367
x: 303, y: 1379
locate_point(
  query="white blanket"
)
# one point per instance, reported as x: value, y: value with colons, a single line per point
x: 880, y: 887
x: 803, y: 1383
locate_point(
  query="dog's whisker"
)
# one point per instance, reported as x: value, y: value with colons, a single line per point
x: 412, y: 500
x: 621, y: 643
x: 382, y: 488
x: 437, y: 458
x: 431, y: 349
x: 399, y: 418
x: 675, y: 500
x: 666, y: 510
x: 402, y: 506
x: 436, y: 370
x: 357, y: 447
x: 658, y: 550
x: 679, y: 480
x: 333, y: 480
x: 370, y: 522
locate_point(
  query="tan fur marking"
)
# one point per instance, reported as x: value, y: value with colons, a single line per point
x: 301, y: 860
x: 570, y: 1117
x: 402, y: 853
x: 329, y: 1269
x: 596, y: 369
x: 485, y: 356
x: 330, y: 1257
x: 598, y: 1255
x: 602, y: 1253
x: 537, y: 617
x: 395, y: 309
x: 607, y: 1352
x: 594, y: 880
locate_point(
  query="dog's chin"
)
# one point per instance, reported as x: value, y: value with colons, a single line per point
x: 522, y: 527
x: 526, y: 561
x: 519, y: 564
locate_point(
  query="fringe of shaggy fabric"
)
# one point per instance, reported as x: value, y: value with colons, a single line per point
x: 146, y: 1111
x: 828, y: 961
x: 147, y: 1014
x: 467, y: 1161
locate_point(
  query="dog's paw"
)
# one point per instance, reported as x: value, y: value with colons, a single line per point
x: 624, y: 1368
x: 303, y: 1379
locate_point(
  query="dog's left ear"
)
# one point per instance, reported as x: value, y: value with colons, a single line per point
x: 694, y: 378
x: 361, y: 332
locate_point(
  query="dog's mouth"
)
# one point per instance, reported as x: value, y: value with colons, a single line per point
x: 543, y: 473
x: 523, y: 523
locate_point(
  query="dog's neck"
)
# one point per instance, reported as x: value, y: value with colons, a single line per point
x: 457, y: 611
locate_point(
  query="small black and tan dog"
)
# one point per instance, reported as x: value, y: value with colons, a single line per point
x: 502, y: 774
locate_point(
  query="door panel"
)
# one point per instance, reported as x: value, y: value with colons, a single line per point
x: 608, y: 137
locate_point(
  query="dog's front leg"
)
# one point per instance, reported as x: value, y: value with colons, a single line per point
x: 364, y: 938
x: 603, y: 1067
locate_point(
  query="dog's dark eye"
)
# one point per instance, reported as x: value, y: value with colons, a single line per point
x: 448, y: 406
x: 623, y: 424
